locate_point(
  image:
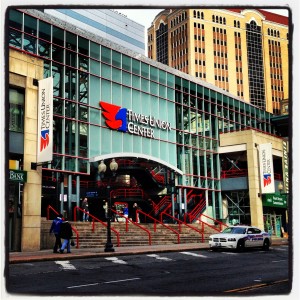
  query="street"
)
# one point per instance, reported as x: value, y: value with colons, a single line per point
x: 191, y: 273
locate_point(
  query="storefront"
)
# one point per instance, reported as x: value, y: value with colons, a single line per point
x: 275, y: 213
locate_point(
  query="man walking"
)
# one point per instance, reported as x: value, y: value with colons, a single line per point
x: 85, y: 207
x: 66, y: 233
x: 55, y: 228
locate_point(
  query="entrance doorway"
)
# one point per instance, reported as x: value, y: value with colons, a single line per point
x: 273, y: 224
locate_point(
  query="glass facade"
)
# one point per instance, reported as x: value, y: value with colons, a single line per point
x: 188, y: 116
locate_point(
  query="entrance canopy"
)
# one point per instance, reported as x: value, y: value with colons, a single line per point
x: 134, y: 155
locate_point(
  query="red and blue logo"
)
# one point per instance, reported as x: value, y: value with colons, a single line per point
x: 267, y: 179
x: 45, y: 139
x: 115, y: 116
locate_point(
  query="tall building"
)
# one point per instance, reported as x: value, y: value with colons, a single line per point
x: 242, y: 51
x: 107, y: 23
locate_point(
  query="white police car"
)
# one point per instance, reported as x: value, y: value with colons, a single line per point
x: 240, y: 237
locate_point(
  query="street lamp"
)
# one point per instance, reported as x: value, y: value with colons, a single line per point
x: 280, y: 187
x: 101, y: 170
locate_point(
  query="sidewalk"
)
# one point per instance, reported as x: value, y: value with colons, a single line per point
x: 48, y: 255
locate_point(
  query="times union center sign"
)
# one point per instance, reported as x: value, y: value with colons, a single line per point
x: 125, y: 120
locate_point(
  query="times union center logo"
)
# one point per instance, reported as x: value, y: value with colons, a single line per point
x: 115, y: 116
x: 125, y: 120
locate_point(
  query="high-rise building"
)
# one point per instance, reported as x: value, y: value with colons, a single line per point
x: 243, y: 51
x: 106, y: 23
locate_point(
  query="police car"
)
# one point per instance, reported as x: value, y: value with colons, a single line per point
x: 240, y: 237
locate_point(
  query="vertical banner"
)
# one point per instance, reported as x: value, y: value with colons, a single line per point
x: 285, y: 166
x: 45, y: 120
x: 266, y: 171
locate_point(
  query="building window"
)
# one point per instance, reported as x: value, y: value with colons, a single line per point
x: 16, y: 109
x: 255, y: 63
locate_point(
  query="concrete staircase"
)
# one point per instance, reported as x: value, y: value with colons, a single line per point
x: 135, y: 236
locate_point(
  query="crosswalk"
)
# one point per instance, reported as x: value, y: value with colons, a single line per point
x: 161, y: 257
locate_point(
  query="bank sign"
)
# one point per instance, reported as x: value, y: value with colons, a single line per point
x: 126, y: 120
x: 17, y: 176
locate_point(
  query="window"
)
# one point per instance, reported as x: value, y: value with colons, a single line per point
x: 16, y: 109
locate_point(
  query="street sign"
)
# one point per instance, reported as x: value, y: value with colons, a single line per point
x: 275, y: 200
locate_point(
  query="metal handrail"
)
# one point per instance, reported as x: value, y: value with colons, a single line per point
x: 215, y: 221
x: 196, y: 210
x: 155, y: 220
x: 77, y: 236
x: 48, y: 211
x: 181, y: 222
x: 134, y: 223
x: 93, y: 222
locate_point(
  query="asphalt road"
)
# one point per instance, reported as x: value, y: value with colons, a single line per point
x: 193, y: 273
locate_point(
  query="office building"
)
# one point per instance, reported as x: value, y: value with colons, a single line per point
x: 242, y: 51
x: 107, y: 23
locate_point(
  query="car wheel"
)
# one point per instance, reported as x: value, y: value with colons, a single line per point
x: 266, y: 245
x: 240, y: 246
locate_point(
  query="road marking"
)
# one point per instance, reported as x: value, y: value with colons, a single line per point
x: 65, y: 265
x: 116, y: 260
x: 106, y: 282
x: 83, y: 285
x: 194, y: 254
x: 122, y: 280
x: 275, y: 261
x: 256, y: 286
x: 159, y: 257
x: 281, y: 248
x: 230, y: 253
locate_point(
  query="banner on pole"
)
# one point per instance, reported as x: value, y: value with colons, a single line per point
x: 45, y: 120
x: 266, y: 170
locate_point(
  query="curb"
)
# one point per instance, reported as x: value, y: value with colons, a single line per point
x: 38, y: 256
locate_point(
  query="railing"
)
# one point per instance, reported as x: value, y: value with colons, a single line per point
x: 127, y: 193
x: 73, y: 228
x: 93, y: 222
x: 158, y: 177
x: 157, y: 221
x: 233, y: 173
x: 179, y: 222
x: 77, y: 236
x: 211, y: 226
x: 48, y: 211
x: 165, y: 200
x: 127, y: 220
x: 191, y: 216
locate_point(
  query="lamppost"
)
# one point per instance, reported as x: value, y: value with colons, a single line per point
x: 281, y: 188
x: 101, y: 170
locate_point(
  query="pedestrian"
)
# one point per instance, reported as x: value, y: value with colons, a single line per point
x: 55, y: 228
x: 136, y: 217
x: 85, y: 207
x: 66, y: 233
x: 125, y: 211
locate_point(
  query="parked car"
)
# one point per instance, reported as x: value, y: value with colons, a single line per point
x: 240, y: 237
